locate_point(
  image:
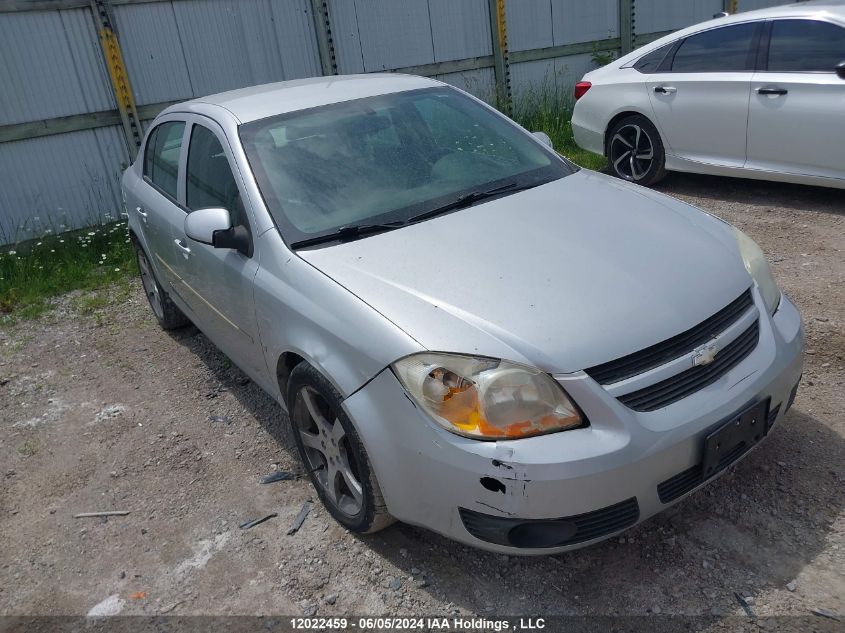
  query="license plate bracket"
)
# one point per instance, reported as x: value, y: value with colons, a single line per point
x: 734, y: 437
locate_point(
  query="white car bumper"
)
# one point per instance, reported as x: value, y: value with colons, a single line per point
x: 589, y: 134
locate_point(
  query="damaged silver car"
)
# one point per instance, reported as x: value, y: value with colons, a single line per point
x: 469, y: 333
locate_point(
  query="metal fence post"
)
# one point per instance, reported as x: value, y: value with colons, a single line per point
x: 499, y: 33
x: 122, y: 88
x: 626, y: 26
x: 325, y: 41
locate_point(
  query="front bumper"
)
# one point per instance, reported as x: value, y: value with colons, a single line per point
x: 430, y: 477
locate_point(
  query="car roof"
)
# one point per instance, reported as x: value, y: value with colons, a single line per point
x: 258, y: 102
x: 803, y: 9
x: 812, y: 9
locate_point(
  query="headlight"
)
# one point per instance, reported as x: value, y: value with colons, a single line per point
x: 757, y: 266
x: 486, y: 399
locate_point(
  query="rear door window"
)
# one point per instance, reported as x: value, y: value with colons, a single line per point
x: 807, y: 46
x: 726, y: 49
x: 161, y: 157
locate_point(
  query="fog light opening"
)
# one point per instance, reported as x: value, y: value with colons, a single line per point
x: 542, y: 534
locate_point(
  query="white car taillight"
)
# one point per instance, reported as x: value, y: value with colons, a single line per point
x: 581, y: 89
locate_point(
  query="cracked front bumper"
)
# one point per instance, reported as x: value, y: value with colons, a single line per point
x: 588, y: 476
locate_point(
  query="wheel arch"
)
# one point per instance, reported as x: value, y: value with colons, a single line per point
x: 138, y: 240
x: 622, y: 115
x: 337, y: 374
x: 284, y: 366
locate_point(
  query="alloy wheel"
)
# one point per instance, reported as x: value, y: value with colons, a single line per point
x: 150, y: 285
x: 328, y: 452
x: 631, y: 152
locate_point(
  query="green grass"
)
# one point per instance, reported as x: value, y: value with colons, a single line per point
x: 33, y: 272
x: 548, y: 109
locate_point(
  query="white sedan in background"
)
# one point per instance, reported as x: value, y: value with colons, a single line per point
x: 756, y: 95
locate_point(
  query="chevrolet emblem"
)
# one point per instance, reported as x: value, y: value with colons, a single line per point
x: 705, y: 354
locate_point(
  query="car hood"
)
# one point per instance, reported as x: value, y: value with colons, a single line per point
x: 563, y: 276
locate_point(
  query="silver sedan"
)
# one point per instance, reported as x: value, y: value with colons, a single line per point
x: 469, y: 333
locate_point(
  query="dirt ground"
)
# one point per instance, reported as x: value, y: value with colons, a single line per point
x: 104, y: 411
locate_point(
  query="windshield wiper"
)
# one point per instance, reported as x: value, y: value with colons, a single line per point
x: 350, y: 231
x: 353, y: 231
x: 469, y: 198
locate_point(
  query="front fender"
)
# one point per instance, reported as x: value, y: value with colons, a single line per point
x: 301, y: 310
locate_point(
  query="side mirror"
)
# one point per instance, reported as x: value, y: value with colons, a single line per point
x: 840, y: 70
x: 544, y: 139
x: 202, y: 225
x: 213, y: 226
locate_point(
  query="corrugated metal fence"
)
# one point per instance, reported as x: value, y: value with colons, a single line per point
x: 66, y: 118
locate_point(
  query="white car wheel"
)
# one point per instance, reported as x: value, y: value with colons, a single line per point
x: 635, y: 151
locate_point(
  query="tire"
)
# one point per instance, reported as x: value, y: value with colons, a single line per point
x: 168, y: 315
x: 333, y: 454
x: 638, y: 133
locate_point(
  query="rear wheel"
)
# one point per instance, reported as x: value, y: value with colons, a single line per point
x: 168, y: 315
x: 333, y: 453
x: 635, y: 151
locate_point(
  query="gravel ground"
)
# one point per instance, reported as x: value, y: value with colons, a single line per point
x: 104, y: 411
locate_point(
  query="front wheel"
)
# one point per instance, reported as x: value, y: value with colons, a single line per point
x: 635, y: 151
x: 333, y: 453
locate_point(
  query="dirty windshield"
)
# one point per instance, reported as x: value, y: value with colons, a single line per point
x: 387, y: 159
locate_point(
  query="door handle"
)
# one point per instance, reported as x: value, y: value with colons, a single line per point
x: 665, y: 90
x: 182, y: 247
x: 772, y: 91
x: 140, y: 211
